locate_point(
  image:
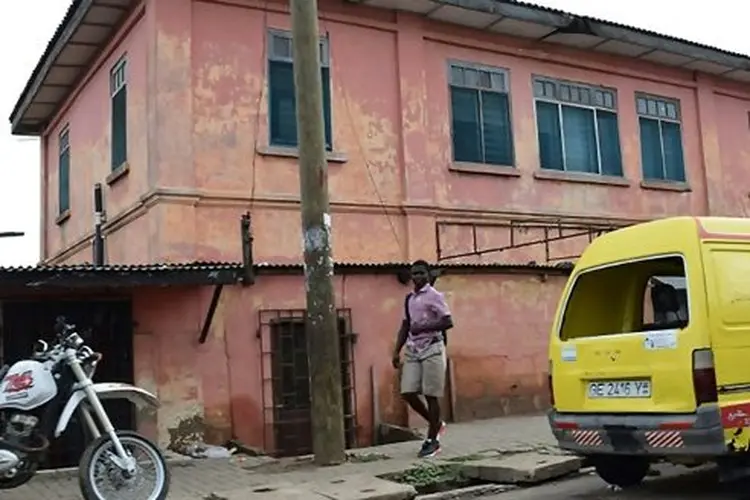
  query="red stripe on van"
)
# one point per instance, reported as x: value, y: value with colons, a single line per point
x: 736, y: 415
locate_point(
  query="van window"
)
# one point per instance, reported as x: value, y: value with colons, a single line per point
x: 633, y: 297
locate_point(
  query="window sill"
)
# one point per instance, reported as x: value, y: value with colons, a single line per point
x: 284, y: 152
x: 483, y: 168
x: 658, y: 185
x: 118, y: 173
x: 63, y: 217
x: 584, y: 178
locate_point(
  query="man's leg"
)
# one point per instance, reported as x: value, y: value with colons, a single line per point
x: 411, y: 387
x: 433, y: 386
x: 433, y: 412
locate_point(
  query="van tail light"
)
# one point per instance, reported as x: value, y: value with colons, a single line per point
x: 704, y: 377
x: 549, y: 386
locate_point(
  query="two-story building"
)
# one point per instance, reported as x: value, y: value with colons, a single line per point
x: 493, y: 137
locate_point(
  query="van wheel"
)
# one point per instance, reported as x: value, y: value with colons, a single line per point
x: 624, y: 472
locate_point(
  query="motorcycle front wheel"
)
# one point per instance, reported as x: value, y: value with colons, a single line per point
x: 100, y: 479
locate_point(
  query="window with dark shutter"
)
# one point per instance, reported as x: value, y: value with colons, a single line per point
x: 480, y: 110
x: 662, y: 157
x: 282, y: 108
x: 119, y: 111
x: 63, y: 174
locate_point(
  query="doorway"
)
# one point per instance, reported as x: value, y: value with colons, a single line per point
x: 106, y: 326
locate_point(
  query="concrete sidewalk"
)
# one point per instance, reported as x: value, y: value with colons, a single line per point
x: 199, y: 479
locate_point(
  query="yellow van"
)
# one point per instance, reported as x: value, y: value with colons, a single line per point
x: 650, y: 348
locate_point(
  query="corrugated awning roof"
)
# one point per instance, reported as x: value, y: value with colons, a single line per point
x: 121, y: 276
x: 387, y: 267
x: 216, y: 273
x: 90, y: 24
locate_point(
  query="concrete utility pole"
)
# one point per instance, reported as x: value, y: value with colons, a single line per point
x: 322, y: 332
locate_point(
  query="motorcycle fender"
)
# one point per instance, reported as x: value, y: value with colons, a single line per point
x: 109, y: 390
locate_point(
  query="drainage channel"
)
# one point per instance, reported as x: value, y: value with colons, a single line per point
x: 483, y: 475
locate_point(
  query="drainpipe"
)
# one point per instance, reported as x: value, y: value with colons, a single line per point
x: 99, y: 218
x: 248, y: 275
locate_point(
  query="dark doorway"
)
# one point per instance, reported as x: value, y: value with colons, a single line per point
x: 290, y: 382
x: 107, y: 327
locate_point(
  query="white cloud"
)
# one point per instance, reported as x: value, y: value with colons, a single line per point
x: 25, y: 29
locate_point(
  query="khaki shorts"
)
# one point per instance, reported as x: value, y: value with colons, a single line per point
x: 424, y: 372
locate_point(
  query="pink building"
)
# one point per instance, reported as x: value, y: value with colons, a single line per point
x: 493, y: 137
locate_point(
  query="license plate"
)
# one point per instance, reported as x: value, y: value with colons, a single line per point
x: 616, y: 389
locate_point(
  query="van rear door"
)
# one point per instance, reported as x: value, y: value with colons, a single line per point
x: 625, y: 342
x: 728, y: 284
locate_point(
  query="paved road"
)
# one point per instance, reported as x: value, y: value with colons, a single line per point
x: 676, y: 483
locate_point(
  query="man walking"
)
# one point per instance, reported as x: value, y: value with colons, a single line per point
x: 426, y: 316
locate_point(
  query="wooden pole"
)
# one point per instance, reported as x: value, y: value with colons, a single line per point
x: 321, y: 325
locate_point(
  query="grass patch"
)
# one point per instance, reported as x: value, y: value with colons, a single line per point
x: 432, y: 478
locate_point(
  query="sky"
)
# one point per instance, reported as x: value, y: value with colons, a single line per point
x: 25, y: 29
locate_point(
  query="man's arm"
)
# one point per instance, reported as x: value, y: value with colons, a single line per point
x: 440, y: 324
x: 443, y: 320
x: 403, y: 332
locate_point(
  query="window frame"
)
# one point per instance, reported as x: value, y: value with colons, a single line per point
x: 324, y: 50
x: 659, y: 120
x: 118, y: 82
x: 504, y: 73
x: 63, y: 148
x: 559, y: 320
x: 560, y: 102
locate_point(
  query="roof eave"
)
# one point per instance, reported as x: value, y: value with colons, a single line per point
x: 488, y: 13
x: 69, y: 26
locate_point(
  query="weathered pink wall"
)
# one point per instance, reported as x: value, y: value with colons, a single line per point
x: 218, y: 384
x: 733, y: 119
x: 87, y: 116
x: 198, y: 68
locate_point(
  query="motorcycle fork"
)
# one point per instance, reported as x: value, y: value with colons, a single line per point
x: 88, y: 420
x: 122, y: 459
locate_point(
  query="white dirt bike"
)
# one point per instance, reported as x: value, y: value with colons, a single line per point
x: 38, y: 398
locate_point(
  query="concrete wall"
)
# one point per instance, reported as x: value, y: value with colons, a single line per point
x: 498, y: 349
x: 198, y: 140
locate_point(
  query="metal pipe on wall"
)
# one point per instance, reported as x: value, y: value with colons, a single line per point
x: 98, y: 243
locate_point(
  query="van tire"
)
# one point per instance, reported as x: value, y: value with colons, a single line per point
x: 624, y: 472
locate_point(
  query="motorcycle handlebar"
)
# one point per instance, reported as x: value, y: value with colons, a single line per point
x: 62, y: 327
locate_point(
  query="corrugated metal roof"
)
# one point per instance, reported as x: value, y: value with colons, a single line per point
x: 64, y: 24
x: 391, y: 266
x: 208, y: 266
x: 128, y: 276
x: 120, y: 275
x: 626, y: 27
x: 162, y: 267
